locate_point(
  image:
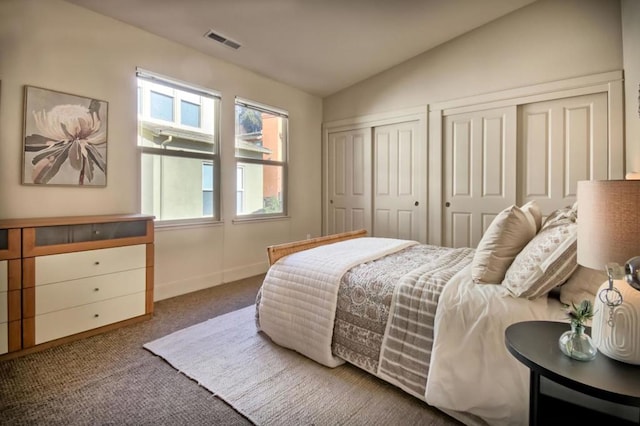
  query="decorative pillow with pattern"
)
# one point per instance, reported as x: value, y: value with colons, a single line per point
x: 507, y: 234
x: 548, y: 260
x: 569, y: 212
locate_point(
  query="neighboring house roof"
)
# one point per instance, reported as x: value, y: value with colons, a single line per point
x: 248, y: 146
x: 159, y: 132
x: 251, y: 142
x: 166, y: 130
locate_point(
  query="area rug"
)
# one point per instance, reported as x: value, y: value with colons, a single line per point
x: 271, y: 385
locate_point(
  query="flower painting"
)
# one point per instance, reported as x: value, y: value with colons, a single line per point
x: 65, y: 139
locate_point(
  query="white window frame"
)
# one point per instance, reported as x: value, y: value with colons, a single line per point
x: 213, y: 157
x: 282, y: 163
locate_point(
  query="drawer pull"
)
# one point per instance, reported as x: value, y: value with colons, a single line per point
x: 96, y: 263
x: 96, y: 315
x: 96, y: 289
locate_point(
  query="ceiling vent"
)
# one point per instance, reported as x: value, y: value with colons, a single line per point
x: 221, y: 39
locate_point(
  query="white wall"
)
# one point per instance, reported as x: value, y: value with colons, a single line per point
x: 631, y: 50
x: 546, y: 41
x: 60, y: 46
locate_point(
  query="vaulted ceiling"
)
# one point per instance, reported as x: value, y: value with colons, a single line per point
x: 319, y: 46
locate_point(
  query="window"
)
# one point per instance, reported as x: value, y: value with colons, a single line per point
x: 261, y: 160
x: 240, y: 188
x: 189, y: 114
x: 161, y: 106
x: 178, y: 137
x: 207, y: 189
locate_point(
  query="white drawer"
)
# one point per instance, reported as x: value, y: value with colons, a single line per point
x: 4, y: 338
x: 67, y: 294
x: 3, y: 307
x: 4, y: 275
x: 55, y: 325
x: 70, y: 266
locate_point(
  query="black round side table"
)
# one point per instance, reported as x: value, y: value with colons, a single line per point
x: 535, y: 344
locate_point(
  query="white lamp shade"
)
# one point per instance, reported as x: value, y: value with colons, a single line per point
x: 609, y: 231
x: 608, y: 222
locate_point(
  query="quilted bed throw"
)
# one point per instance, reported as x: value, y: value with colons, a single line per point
x: 299, y: 294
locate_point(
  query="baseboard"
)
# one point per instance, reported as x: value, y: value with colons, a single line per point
x: 177, y: 288
x: 244, y: 271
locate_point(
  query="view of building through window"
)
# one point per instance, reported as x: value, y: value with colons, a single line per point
x: 179, y: 143
x: 178, y: 136
x: 261, y: 158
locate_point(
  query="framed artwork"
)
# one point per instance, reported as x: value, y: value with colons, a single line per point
x: 65, y: 139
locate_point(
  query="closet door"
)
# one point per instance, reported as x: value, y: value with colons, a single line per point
x: 479, y: 172
x: 561, y: 142
x: 349, y: 181
x: 398, y: 161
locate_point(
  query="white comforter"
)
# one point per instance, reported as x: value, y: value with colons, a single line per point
x: 471, y: 369
x: 471, y: 376
x: 299, y: 293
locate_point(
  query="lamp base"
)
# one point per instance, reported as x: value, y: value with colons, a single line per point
x: 617, y: 334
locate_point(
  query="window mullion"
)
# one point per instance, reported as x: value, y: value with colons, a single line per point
x: 259, y: 161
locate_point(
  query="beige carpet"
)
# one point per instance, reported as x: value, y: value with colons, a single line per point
x: 271, y: 385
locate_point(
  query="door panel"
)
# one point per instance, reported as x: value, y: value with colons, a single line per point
x: 397, y: 163
x: 461, y: 229
x: 479, y: 171
x: 349, y: 181
x: 562, y: 142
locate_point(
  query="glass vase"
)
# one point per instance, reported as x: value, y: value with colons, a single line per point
x: 575, y: 343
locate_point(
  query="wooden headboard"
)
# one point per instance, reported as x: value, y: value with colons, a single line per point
x: 277, y: 251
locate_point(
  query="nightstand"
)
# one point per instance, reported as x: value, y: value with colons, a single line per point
x: 564, y: 389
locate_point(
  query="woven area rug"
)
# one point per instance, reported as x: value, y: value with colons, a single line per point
x: 271, y: 385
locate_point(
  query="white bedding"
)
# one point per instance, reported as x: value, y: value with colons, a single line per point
x: 471, y: 369
x: 299, y: 293
x: 471, y: 376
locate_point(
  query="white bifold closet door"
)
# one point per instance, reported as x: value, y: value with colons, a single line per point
x: 373, y: 181
x: 494, y: 158
x: 349, y: 181
x: 562, y: 142
x: 396, y: 170
x: 479, y: 172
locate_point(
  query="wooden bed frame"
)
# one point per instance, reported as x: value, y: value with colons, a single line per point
x: 277, y: 251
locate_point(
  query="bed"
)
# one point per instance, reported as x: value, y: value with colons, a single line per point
x: 428, y: 319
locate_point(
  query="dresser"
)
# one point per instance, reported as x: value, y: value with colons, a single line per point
x: 10, y: 290
x: 72, y: 277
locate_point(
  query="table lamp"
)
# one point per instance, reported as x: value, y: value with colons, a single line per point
x: 609, y: 236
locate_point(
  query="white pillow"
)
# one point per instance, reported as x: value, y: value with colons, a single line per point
x: 507, y: 234
x: 583, y: 284
x: 547, y: 261
x: 532, y: 208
